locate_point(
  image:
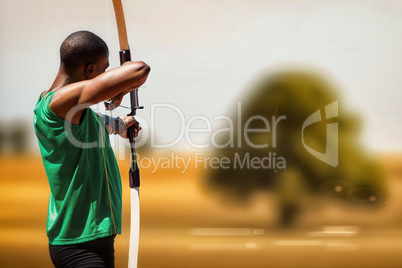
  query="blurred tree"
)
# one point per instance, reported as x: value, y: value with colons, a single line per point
x: 3, y: 137
x: 14, y: 137
x: 296, y: 94
x: 18, y: 136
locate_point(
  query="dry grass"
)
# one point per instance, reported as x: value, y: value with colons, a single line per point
x: 173, y: 202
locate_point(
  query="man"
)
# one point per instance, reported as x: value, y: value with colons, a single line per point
x: 84, y: 212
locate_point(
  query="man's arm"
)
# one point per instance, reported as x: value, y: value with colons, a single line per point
x: 117, y: 125
x: 81, y: 95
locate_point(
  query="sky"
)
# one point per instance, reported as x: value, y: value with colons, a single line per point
x: 205, y: 54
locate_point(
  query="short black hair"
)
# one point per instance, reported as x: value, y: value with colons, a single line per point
x: 82, y: 48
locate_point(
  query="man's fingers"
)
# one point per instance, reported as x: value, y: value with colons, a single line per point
x: 107, y: 105
x: 111, y: 105
x: 114, y: 102
x: 117, y: 101
x: 129, y: 124
x: 130, y: 121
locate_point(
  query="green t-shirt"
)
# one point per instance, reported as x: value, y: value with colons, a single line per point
x: 85, y: 188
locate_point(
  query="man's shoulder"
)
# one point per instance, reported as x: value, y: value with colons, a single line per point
x: 45, y: 95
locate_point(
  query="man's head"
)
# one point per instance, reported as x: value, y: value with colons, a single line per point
x: 84, y: 52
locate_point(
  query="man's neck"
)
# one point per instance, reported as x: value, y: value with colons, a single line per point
x: 62, y: 79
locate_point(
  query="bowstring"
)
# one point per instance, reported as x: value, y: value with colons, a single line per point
x: 124, y: 226
x: 107, y: 179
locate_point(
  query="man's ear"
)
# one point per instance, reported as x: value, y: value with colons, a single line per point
x: 89, y: 71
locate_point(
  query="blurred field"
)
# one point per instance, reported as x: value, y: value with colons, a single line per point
x: 183, y: 226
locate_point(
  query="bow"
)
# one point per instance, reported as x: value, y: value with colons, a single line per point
x: 134, y: 172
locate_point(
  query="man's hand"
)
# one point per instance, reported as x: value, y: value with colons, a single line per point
x: 129, y: 121
x: 114, y: 102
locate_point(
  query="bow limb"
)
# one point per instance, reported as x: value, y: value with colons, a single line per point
x: 134, y: 174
